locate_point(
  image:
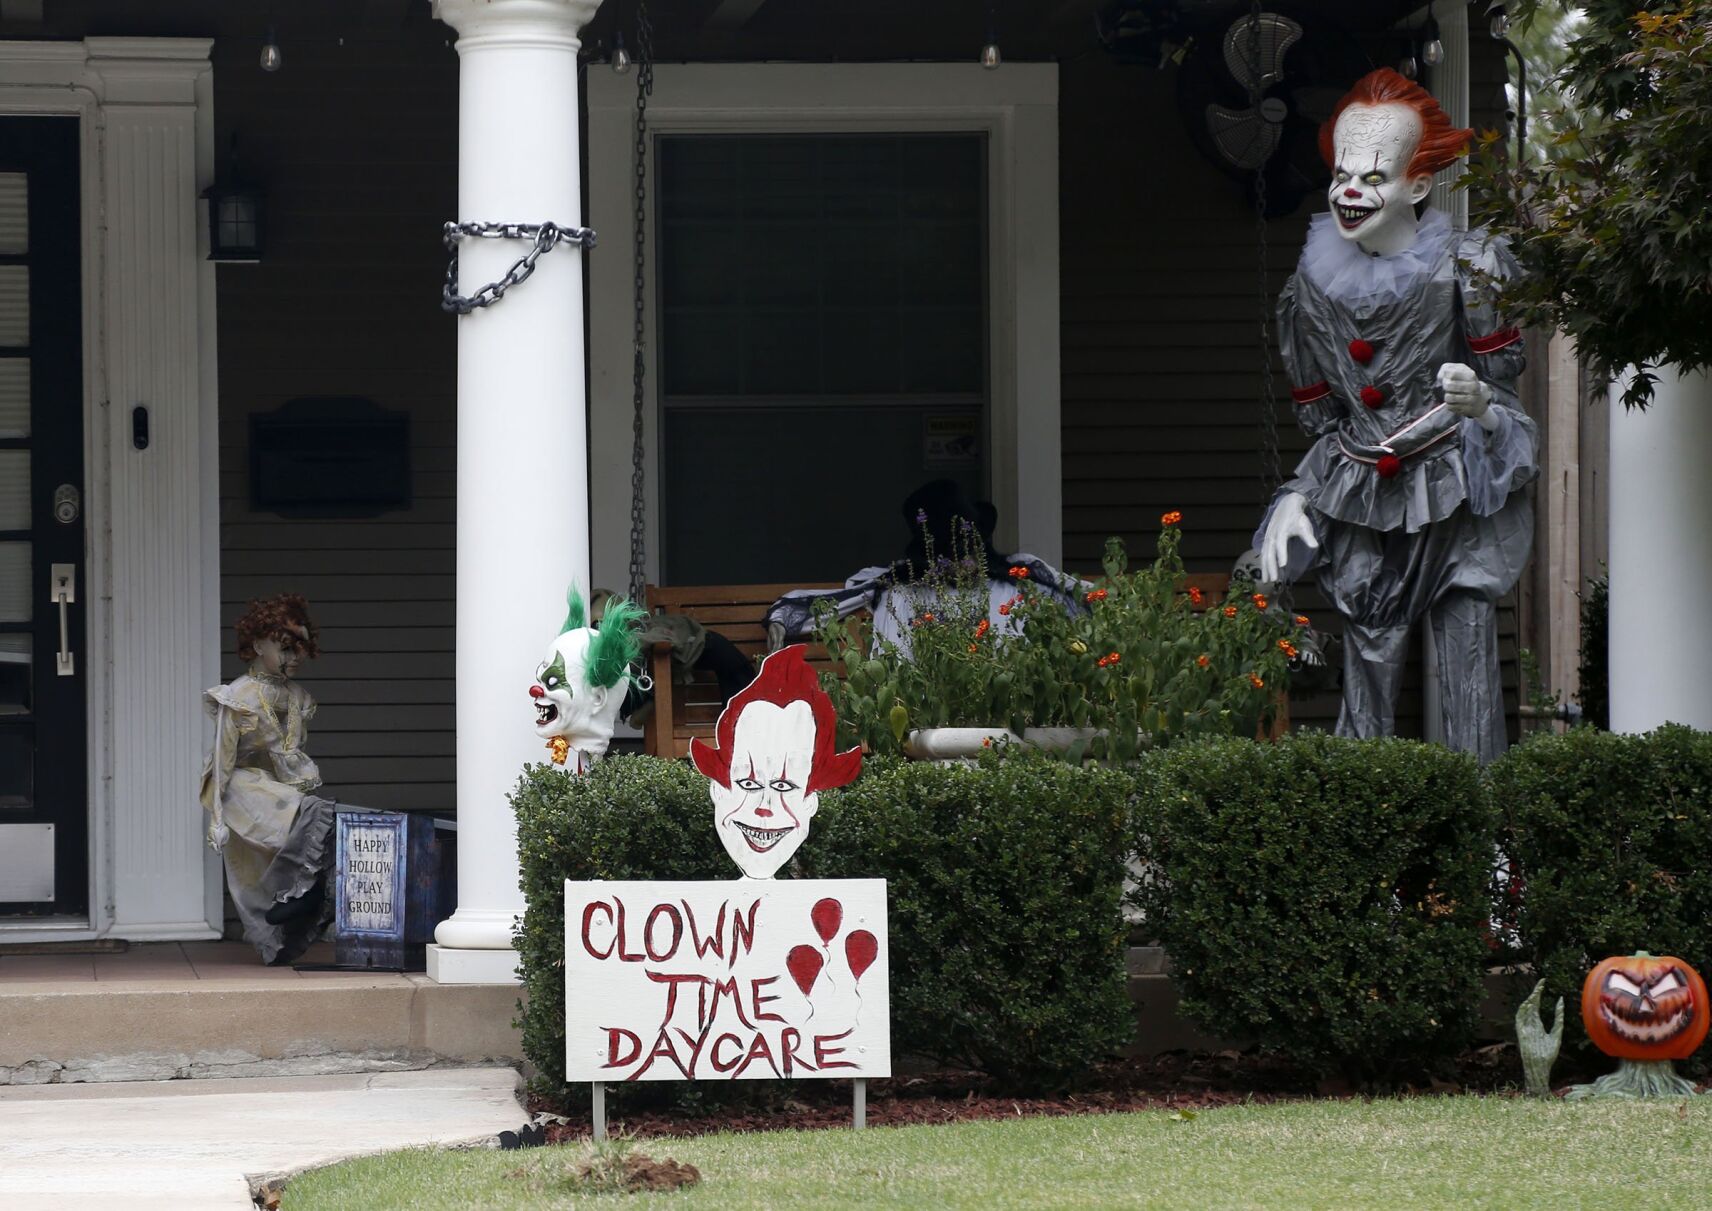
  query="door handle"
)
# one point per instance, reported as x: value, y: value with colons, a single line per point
x: 64, y: 580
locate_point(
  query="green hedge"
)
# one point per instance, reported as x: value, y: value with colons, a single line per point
x: 1612, y: 838
x: 629, y: 818
x: 1326, y: 898
x: 1005, y: 881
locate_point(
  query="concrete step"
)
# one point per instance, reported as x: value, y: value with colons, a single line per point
x: 210, y: 1010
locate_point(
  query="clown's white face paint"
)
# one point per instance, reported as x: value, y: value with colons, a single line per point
x: 1372, y: 198
x: 567, y: 705
x: 763, y: 816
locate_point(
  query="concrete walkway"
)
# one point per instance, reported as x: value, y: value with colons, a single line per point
x: 190, y: 1145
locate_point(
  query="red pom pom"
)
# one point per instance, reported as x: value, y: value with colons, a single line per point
x: 1388, y: 465
x: 1372, y: 396
x: 1361, y: 351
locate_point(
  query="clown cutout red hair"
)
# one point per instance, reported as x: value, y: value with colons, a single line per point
x: 775, y: 750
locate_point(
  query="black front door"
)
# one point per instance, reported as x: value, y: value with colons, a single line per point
x: 44, y: 810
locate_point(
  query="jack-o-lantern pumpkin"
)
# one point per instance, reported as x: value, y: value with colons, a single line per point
x: 1645, y: 1007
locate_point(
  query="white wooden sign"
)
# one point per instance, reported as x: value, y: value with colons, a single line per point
x: 735, y: 980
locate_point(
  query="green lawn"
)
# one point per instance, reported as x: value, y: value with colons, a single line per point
x: 1420, y: 1152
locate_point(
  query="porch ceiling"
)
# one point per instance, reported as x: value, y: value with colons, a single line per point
x: 885, y: 30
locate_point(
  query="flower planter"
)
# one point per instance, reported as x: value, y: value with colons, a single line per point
x: 966, y: 743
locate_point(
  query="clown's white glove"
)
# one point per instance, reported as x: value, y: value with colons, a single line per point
x: 1289, y: 521
x: 1466, y: 395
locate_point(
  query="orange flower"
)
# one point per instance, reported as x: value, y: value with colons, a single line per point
x: 1171, y: 518
x: 1256, y: 682
x: 1260, y: 601
x: 1096, y: 595
x: 1301, y: 620
x: 1196, y: 597
x: 1114, y: 657
x: 1288, y: 648
x: 927, y: 617
x: 982, y: 628
x: 974, y: 647
x: 1203, y: 661
x: 1018, y: 572
x: 1005, y: 609
x: 1230, y: 611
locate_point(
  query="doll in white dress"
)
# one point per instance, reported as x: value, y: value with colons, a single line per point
x: 274, y: 833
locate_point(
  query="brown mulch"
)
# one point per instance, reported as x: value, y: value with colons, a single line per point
x: 1172, y: 1081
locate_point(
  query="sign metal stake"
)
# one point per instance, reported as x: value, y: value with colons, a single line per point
x: 859, y: 1103
x: 599, y: 1110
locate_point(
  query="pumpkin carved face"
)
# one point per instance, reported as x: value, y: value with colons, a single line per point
x: 1645, y: 1007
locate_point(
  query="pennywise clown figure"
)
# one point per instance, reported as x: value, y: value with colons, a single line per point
x: 775, y: 752
x: 580, y: 687
x: 256, y: 785
x: 1411, y: 501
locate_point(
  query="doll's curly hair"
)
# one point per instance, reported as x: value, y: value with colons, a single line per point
x: 275, y: 618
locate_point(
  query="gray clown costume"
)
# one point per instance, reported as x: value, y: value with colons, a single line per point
x: 1419, y: 511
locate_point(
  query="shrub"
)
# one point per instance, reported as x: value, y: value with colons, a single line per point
x: 1005, y: 879
x: 1610, y: 836
x: 629, y: 818
x: 1324, y: 897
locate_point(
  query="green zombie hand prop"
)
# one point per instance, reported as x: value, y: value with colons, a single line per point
x: 1538, y: 1046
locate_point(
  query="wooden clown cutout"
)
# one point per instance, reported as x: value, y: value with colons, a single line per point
x: 1412, y: 501
x: 581, y: 685
x: 775, y: 752
x: 745, y: 978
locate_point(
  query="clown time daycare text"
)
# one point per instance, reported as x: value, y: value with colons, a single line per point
x: 737, y: 980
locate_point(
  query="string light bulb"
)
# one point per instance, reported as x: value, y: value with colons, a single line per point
x: 990, y: 57
x: 621, y: 61
x: 1432, y: 50
x: 1500, y: 23
x: 1407, y: 67
x: 271, y: 58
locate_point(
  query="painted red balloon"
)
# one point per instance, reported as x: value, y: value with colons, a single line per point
x: 804, y: 963
x: 861, y: 948
x: 827, y: 916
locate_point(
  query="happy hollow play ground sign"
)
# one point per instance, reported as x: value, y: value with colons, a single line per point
x: 748, y: 978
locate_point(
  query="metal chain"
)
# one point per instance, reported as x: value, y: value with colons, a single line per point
x: 546, y: 237
x: 644, y: 88
x: 1271, y: 463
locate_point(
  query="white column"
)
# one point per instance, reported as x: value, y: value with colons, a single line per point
x: 522, y: 453
x: 1661, y: 556
x: 155, y: 551
x: 1449, y: 81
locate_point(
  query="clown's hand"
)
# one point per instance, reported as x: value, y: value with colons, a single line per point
x: 1289, y: 521
x: 1466, y: 395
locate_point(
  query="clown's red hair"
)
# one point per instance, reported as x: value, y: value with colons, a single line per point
x: 1441, y: 143
x: 784, y: 678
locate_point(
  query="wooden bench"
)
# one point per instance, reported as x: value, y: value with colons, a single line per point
x: 734, y: 611
x: 683, y: 711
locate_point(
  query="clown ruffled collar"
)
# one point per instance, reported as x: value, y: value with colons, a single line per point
x: 1347, y: 275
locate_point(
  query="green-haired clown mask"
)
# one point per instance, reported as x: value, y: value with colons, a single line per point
x: 581, y: 685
